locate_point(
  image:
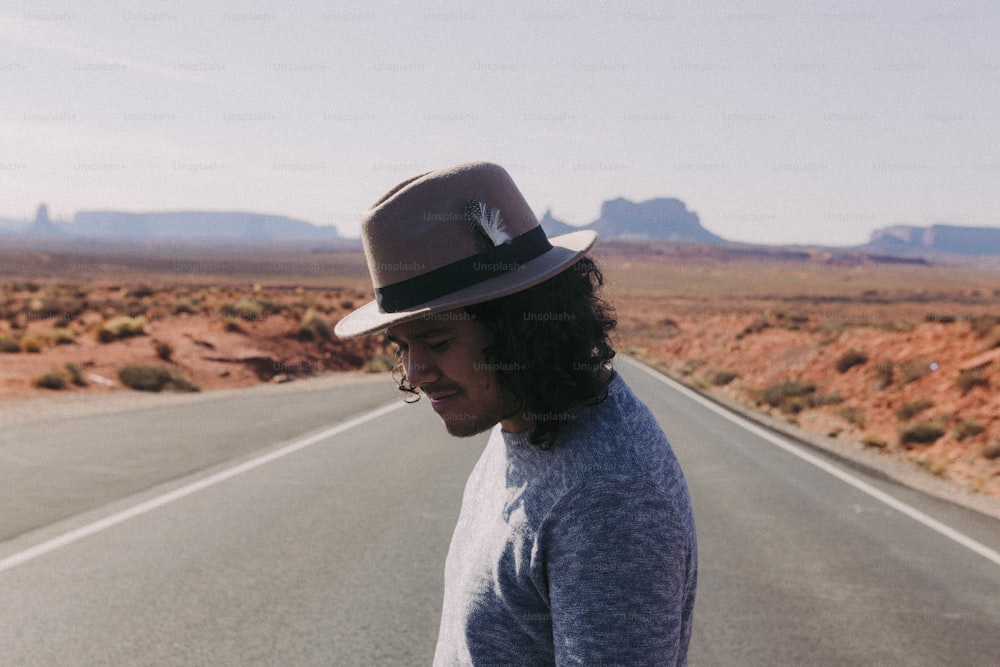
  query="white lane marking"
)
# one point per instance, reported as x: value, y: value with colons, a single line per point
x: 912, y: 512
x: 107, y: 522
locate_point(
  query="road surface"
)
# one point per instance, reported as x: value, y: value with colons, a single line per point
x: 304, y: 526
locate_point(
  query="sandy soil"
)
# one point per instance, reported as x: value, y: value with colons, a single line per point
x: 211, y: 338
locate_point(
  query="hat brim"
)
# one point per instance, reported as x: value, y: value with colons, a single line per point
x: 566, y: 249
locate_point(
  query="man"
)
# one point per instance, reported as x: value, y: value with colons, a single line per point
x: 575, y: 544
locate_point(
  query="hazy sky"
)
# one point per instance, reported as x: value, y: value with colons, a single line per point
x: 790, y: 122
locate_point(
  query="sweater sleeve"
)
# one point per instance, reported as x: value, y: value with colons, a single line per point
x: 618, y: 566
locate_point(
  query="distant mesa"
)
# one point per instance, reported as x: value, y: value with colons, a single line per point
x: 196, y: 225
x: 937, y: 239
x: 653, y: 220
x: 175, y: 225
x: 42, y: 226
x: 555, y: 227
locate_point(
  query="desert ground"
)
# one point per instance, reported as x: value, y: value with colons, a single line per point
x: 896, y: 356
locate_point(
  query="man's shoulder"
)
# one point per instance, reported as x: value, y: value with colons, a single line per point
x: 612, y: 426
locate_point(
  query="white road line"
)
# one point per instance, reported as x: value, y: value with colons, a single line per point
x: 136, y: 510
x: 908, y: 510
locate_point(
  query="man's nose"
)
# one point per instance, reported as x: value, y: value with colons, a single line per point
x: 419, y: 369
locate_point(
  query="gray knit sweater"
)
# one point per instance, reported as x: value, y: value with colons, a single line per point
x: 584, y: 554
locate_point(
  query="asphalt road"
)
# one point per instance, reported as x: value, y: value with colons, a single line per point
x: 304, y: 526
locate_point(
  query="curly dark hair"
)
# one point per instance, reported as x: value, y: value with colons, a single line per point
x: 551, y: 347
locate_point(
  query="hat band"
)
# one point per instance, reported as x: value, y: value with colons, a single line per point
x: 464, y: 273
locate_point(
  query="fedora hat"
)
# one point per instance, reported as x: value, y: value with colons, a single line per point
x: 452, y: 238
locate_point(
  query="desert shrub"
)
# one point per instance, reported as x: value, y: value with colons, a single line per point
x: 668, y: 327
x: 141, y: 292
x: 969, y: 380
x: 850, y: 359
x: 935, y: 465
x: 164, y: 350
x: 244, y: 308
x: 943, y: 318
x: 76, y: 375
x: 51, y: 380
x: 135, y: 308
x: 233, y: 325
x: 270, y: 307
x: 185, y: 305
x: 157, y: 312
x: 121, y: 326
x: 719, y: 378
x: 314, y: 327
x: 33, y: 343
x: 874, y: 441
x: 793, y: 322
x: 992, y: 450
x: 909, y: 410
x: 9, y: 344
x: 8, y: 308
x: 896, y: 326
x: 247, y: 308
x: 776, y: 393
x: 145, y: 378
x: 347, y: 304
x: 789, y: 396
x: 884, y: 374
x: 914, y: 370
x: 983, y: 325
x: 754, y: 327
x: 63, y: 336
x: 153, y: 378
x: 829, y: 329
x: 691, y: 365
x: 853, y: 415
x: 922, y: 434
x: 968, y: 428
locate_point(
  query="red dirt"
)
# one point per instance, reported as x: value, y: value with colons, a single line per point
x: 208, y: 347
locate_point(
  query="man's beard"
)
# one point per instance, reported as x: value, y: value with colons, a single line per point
x: 464, y: 425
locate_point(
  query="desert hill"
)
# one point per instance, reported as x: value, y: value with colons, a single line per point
x: 172, y: 225
x: 655, y: 220
x: 554, y: 227
x: 947, y: 239
x: 658, y: 219
x: 196, y: 224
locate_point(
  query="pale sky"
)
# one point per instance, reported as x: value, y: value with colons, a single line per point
x: 777, y: 122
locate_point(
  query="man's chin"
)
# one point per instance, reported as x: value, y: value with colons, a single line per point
x: 462, y: 426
